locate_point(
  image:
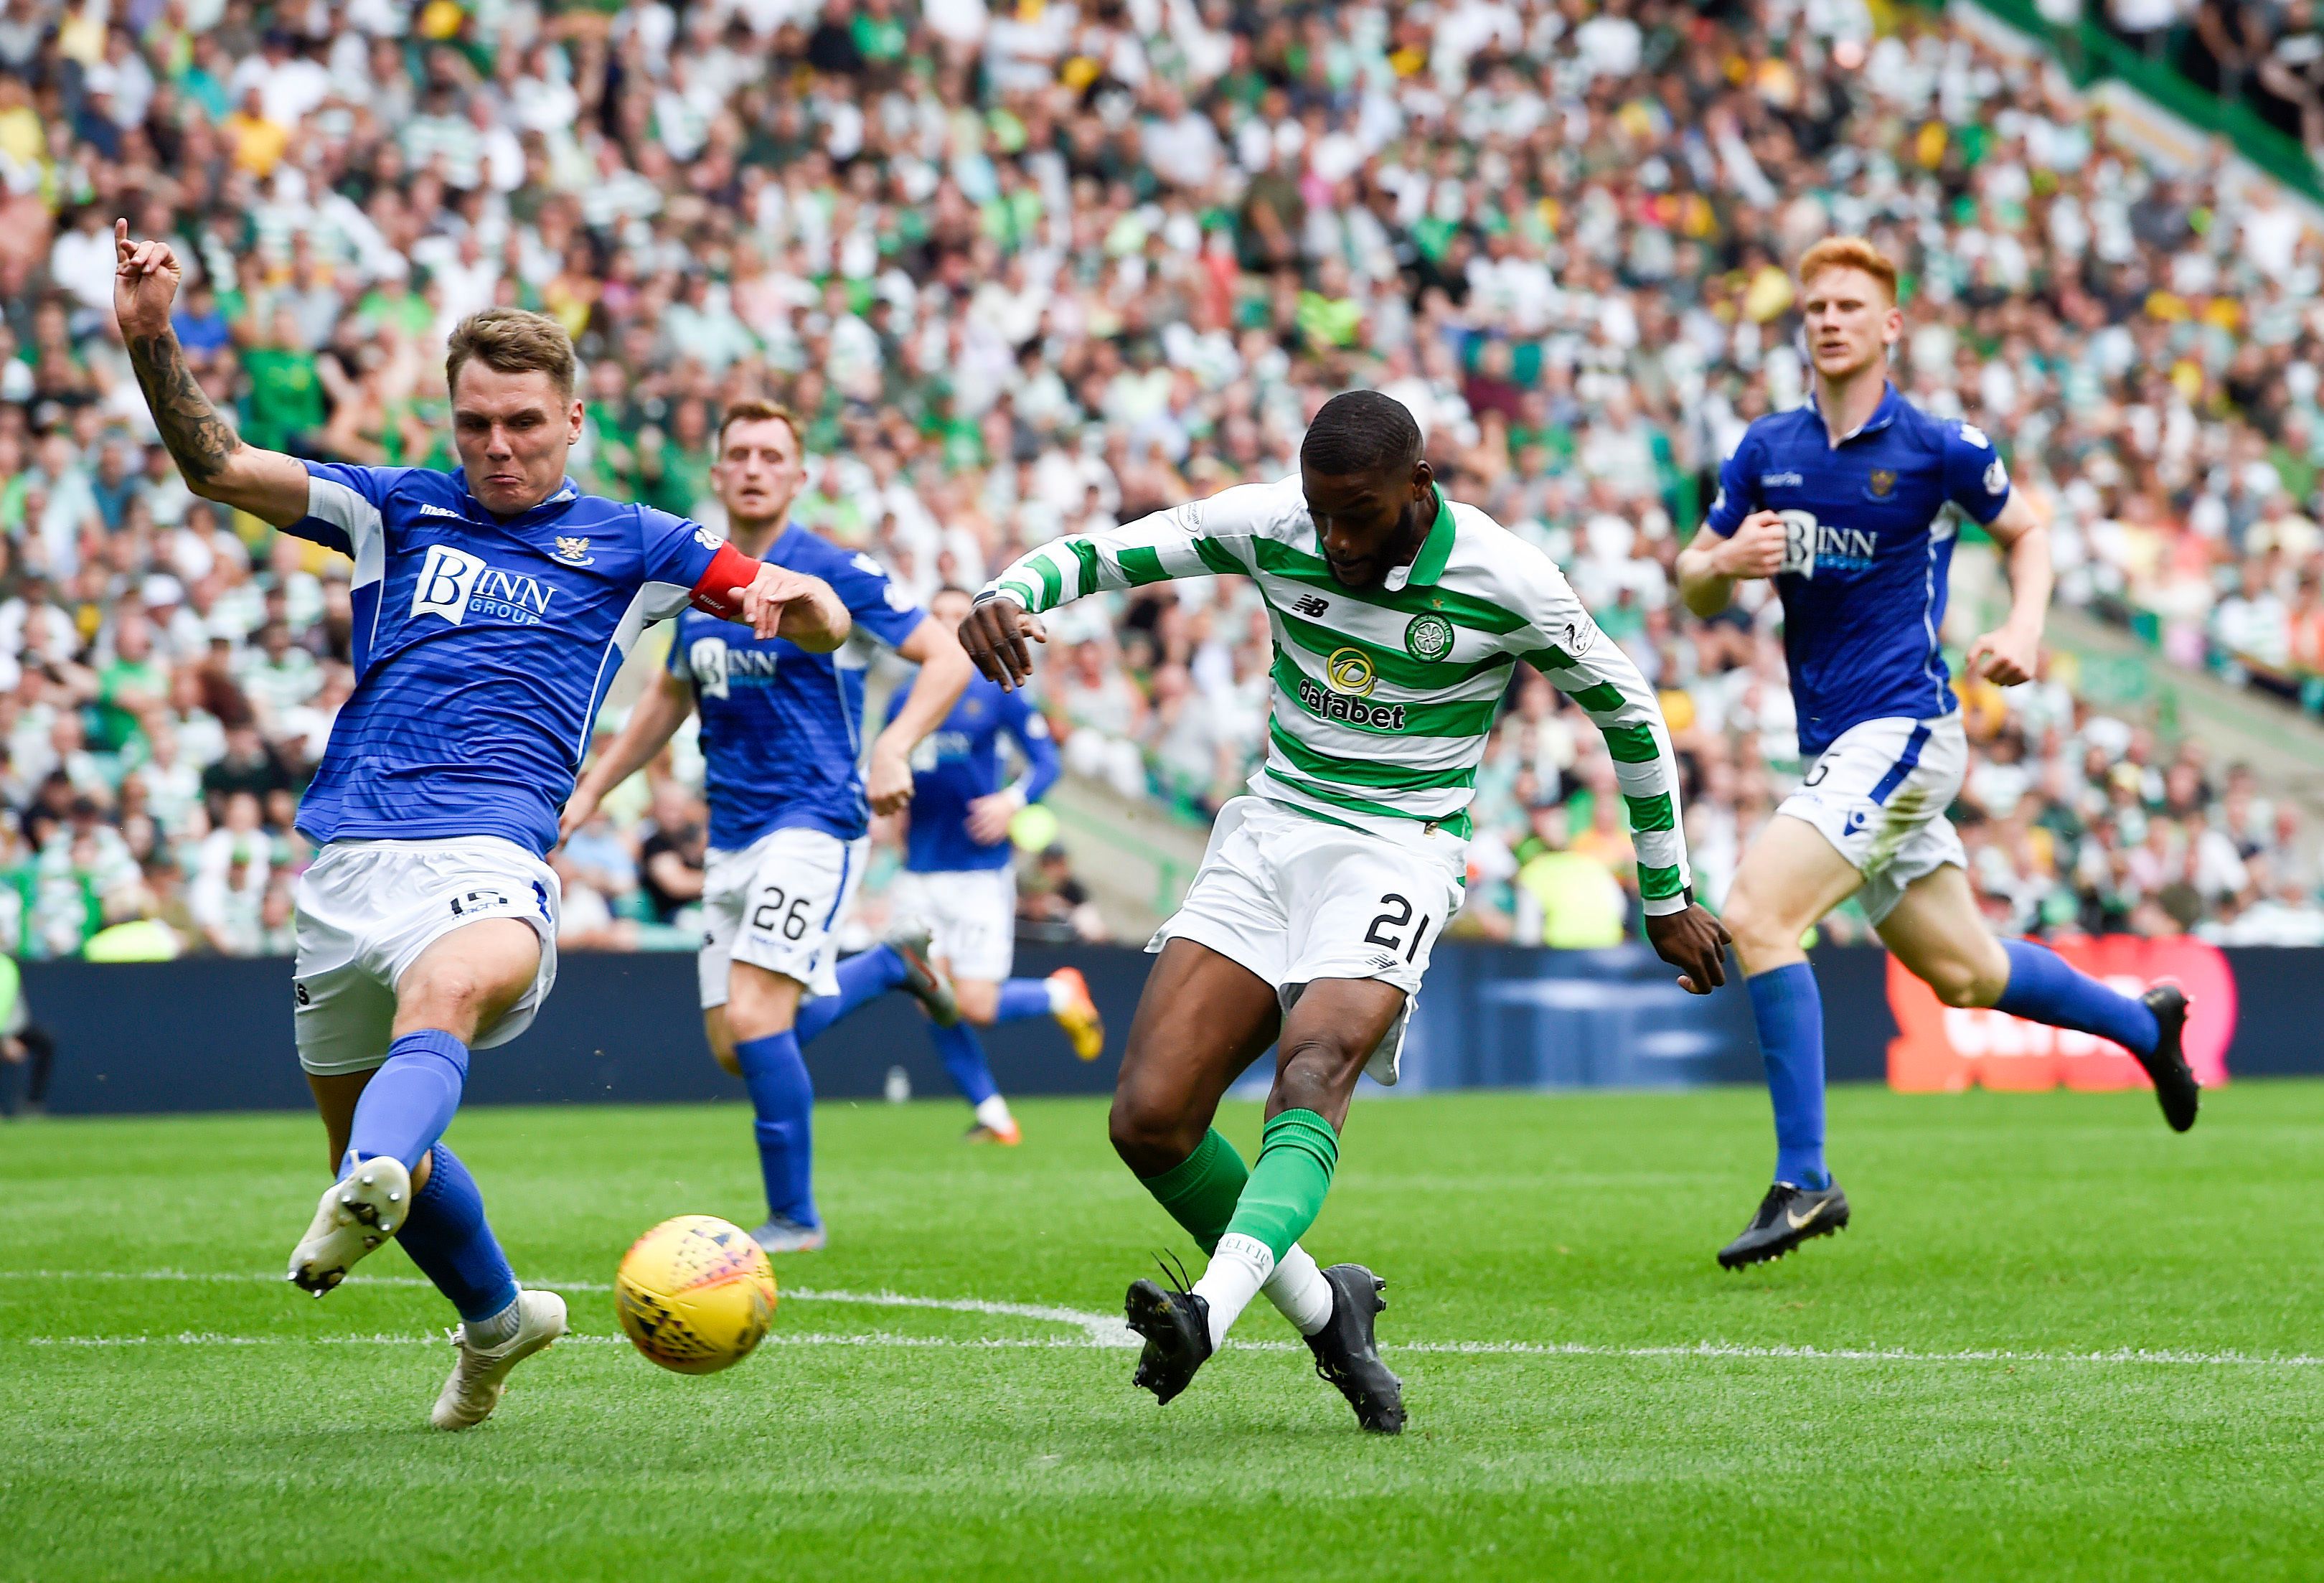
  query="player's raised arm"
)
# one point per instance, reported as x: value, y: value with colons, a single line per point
x: 1185, y: 540
x: 773, y: 601
x: 655, y: 720
x: 1588, y: 667
x: 217, y: 466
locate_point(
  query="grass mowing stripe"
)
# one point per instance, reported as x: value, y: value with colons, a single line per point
x: 2070, y: 1401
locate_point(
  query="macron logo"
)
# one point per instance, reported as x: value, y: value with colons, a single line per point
x: 430, y: 508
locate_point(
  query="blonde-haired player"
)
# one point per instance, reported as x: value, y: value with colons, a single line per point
x: 1850, y: 502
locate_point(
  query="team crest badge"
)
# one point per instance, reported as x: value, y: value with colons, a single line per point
x: 1883, y: 481
x: 574, y: 551
x: 1429, y: 637
x: 1350, y: 670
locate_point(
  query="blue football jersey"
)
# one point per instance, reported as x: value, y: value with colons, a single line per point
x: 1868, y: 547
x: 782, y: 728
x: 483, y: 645
x: 960, y: 762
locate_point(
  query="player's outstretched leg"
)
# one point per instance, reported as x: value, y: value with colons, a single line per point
x: 1935, y: 932
x: 900, y: 963
x: 394, y: 1163
x: 1329, y: 1034
x: 2043, y: 988
x: 1200, y: 1023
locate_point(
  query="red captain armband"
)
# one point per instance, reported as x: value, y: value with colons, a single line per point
x: 729, y: 569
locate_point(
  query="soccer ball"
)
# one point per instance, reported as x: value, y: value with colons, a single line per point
x: 695, y: 1295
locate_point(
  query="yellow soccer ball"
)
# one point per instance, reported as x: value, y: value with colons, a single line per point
x: 695, y: 1295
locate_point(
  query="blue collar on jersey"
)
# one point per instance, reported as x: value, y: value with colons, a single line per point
x: 564, y: 496
x: 1891, y: 403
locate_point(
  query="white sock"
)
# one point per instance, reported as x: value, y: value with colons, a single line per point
x: 993, y: 1113
x: 1058, y: 995
x: 500, y: 1327
x: 1236, y: 1273
x: 1299, y: 1292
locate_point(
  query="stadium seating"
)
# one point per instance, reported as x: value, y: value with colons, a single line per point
x: 1028, y: 268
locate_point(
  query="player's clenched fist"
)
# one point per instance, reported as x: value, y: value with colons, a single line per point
x: 1755, y: 549
x: 993, y: 633
x: 145, y: 277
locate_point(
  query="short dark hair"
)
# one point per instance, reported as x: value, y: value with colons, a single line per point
x: 1361, y: 431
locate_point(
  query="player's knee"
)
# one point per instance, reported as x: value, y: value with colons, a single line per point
x: 1317, y: 1073
x: 1149, y: 1133
x: 1763, y: 939
x: 1964, y: 984
x: 760, y: 1005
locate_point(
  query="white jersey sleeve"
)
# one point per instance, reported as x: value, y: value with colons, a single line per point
x: 1202, y: 538
x: 1564, y: 644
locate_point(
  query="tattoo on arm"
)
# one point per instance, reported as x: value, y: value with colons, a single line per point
x: 198, y: 438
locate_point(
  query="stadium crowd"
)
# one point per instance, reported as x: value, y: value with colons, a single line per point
x: 1027, y: 267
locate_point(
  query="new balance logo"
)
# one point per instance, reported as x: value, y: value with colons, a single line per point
x: 453, y: 583
x: 1310, y: 607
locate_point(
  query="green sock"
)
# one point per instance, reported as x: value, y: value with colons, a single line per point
x: 1297, y: 1151
x: 1201, y: 1190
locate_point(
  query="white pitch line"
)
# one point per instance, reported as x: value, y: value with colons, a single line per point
x: 1106, y: 1332
x: 1100, y: 1329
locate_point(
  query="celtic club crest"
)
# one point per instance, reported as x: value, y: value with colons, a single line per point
x: 1429, y: 637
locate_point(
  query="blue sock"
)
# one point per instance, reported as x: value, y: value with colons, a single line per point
x: 784, y: 1098
x: 1021, y: 998
x: 410, y: 1100
x: 866, y: 976
x: 1790, y: 1013
x: 964, y: 1061
x: 447, y: 1236
x: 2044, y: 988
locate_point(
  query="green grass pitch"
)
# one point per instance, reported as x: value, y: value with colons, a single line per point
x: 1951, y: 1388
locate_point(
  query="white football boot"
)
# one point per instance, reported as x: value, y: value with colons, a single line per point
x: 356, y: 1215
x: 478, y: 1380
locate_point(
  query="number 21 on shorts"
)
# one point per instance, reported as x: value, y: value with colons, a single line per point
x: 1396, y: 912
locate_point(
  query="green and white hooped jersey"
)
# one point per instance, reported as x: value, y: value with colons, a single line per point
x: 1383, y: 696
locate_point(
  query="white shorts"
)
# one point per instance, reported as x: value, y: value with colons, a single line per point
x: 366, y: 911
x: 1294, y: 898
x: 777, y: 904
x: 970, y: 917
x: 1879, y: 793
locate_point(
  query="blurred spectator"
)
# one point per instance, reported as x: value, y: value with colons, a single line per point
x: 1028, y: 269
